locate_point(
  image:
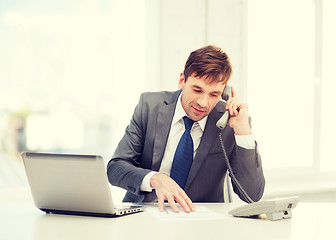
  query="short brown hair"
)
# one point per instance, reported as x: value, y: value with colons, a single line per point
x: 209, y: 61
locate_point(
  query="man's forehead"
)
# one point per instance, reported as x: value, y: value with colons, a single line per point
x: 210, y: 86
x: 206, y: 81
x: 209, y: 78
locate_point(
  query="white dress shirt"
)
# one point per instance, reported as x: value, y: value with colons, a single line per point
x: 176, y: 131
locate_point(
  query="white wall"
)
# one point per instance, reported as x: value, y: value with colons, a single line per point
x: 190, y: 24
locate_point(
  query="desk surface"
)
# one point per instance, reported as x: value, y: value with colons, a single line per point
x: 21, y: 220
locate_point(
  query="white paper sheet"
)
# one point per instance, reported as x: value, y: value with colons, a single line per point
x: 201, y: 213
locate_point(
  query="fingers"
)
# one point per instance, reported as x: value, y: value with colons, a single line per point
x: 183, y: 201
x: 239, y: 115
x: 186, y: 203
x: 173, y: 204
x: 233, y: 105
x: 233, y: 92
x: 167, y: 189
x: 173, y: 198
x: 161, y: 203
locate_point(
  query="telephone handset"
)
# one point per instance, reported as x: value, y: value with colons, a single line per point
x: 221, y: 123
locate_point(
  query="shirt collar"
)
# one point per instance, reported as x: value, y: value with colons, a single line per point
x: 180, y: 113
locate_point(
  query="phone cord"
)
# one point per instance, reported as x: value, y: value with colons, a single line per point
x: 233, y: 177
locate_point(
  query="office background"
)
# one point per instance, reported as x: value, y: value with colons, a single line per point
x: 71, y: 73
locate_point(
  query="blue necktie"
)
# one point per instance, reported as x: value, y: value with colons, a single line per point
x: 183, y: 155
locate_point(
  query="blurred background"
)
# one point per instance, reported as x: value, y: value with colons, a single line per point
x: 71, y: 73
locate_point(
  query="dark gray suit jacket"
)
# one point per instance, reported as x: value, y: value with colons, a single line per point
x: 142, y: 147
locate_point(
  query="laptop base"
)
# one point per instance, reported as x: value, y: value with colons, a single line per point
x: 93, y: 214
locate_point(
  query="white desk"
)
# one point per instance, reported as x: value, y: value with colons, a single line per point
x: 21, y: 220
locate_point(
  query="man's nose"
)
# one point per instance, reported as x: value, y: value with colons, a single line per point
x: 202, y: 101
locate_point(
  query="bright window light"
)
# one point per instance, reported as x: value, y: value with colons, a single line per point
x: 71, y: 72
x: 328, y: 132
x: 281, y: 36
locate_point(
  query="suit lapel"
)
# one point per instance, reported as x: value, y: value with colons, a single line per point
x: 163, y: 124
x: 206, y: 142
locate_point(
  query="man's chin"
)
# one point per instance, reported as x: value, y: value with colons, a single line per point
x: 198, y: 117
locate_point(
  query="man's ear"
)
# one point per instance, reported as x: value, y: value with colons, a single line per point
x: 181, y: 81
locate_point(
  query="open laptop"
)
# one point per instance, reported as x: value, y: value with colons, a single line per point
x: 71, y: 184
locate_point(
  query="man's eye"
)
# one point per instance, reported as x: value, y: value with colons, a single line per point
x: 197, y: 90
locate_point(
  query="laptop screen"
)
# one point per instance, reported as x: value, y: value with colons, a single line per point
x: 68, y: 182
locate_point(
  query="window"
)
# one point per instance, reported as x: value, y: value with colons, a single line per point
x: 281, y: 43
x: 328, y: 111
x: 290, y: 92
x: 71, y: 74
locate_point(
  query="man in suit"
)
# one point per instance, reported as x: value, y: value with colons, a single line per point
x: 144, y: 160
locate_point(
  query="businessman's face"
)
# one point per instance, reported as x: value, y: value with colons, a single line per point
x: 199, y: 96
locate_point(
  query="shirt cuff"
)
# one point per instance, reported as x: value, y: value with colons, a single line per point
x: 245, y: 141
x: 145, y: 185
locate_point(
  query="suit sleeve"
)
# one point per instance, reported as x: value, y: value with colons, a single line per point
x: 247, y: 167
x: 124, y: 170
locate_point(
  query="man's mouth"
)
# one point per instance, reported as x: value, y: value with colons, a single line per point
x: 198, y: 110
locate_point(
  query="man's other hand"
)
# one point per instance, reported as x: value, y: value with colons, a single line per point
x: 167, y: 189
